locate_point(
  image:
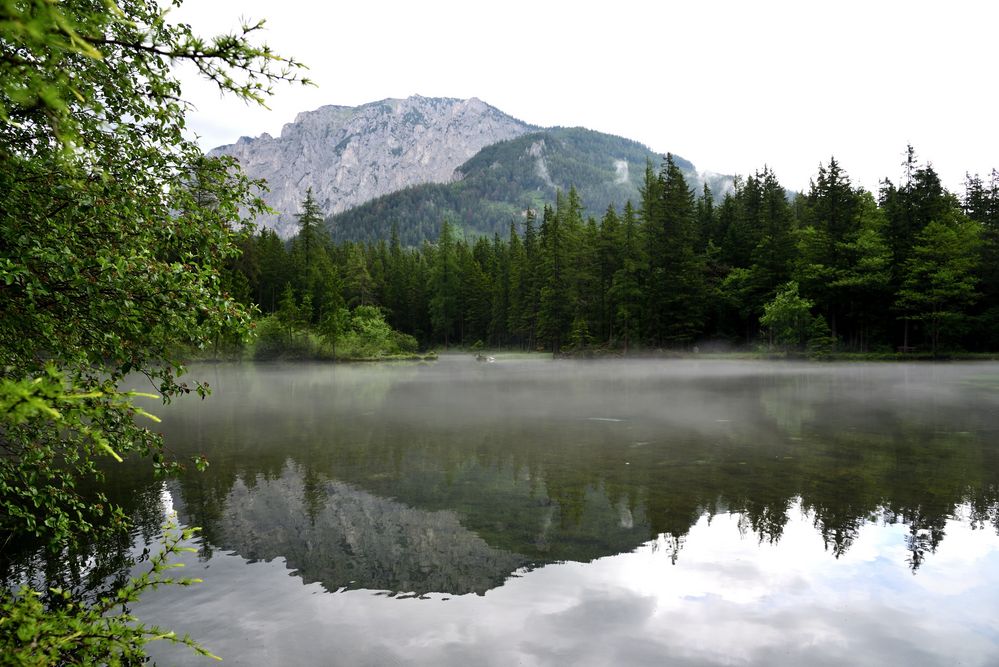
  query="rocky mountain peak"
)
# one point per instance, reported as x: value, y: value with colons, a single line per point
x: 349, y: 155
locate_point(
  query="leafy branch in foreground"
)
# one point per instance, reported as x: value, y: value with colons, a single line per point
x: 65, y: 631
x: 38, y: 498
x: 38, y: 34
x: 115, y: 231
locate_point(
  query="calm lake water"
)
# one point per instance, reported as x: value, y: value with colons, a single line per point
x: 539, y: 512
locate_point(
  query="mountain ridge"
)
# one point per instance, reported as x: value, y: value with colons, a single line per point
x: 502, y: 181
x: 349, y: 155
x: 355, y: 157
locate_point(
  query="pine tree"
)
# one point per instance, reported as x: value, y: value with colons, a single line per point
x: 625, y: 293
x: 474, y: 292
x: 610, y: 249
x: 920, y: 200
x: 558, y: 246
x: 706, y: 220
x: 525, y: 273
x: 675, y: 288
x: 519, y: 275
x: 275, y: 270
x: 739, y: 222
x: 863, y: 282
x: 533, y: 281
x: 444, y: 285
x: 589, y: 286
x: 395, y: 298
x: 831, y: 216
x: 774, y: 253
x: 358, y: 286
x: 501, y: 286
x: 309, y: 221
x: 981, y: 204
x: 939, y: 277
x: 554, y: 294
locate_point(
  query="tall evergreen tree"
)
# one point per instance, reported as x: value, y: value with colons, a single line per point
x: 675, y: 288
x: 558, y: 246
x: 774, y: 253
x: 831, y: 218
x: 309, y: 222
x: 501, y: 285
x: 525, y: 270
x: 395, y: 300
x: 920, y: 200
x: 981, y: 204
x: 939, y: 277
x: 625, y: 293
x: 444, y: 285
x: 275, y: 270
x: 739, y: 222
x: 474, y: 292
x: 610, y: 249
x: 706, y: 219
x: 863, y: 282
x: 358, y: 285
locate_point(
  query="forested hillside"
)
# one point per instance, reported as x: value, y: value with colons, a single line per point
x: 911, y: 268
x: 505, y: 179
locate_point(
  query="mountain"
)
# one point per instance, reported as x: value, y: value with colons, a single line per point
x: 349, y: 155
x: 499, y: 183
x: 344, y: 537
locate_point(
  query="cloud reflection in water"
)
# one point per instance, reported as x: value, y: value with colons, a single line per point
x: 729, y: 600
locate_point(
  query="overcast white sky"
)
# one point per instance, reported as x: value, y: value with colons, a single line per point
x: 729, y: 85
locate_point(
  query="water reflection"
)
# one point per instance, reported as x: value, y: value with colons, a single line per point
x: 577, y: 513
x: 729, y: 600
x: 545, y: 462
x: 344, y: 537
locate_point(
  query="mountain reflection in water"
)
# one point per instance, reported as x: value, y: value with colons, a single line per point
x: 529, y: 462
x: 343, y: 537
x: 697, y: 511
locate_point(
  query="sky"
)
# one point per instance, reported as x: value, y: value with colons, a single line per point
x: 730, y: 85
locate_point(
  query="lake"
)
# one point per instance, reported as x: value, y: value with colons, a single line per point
x: 541, y: 512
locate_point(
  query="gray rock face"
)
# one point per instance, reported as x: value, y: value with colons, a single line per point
x: 344, y: 537
x: 348, y: 155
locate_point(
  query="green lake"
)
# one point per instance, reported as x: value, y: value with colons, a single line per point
x: 539, y: 512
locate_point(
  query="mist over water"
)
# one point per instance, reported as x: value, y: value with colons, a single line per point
x: 605, y: 512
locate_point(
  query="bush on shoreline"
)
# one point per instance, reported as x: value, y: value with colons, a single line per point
x: 361, y: 334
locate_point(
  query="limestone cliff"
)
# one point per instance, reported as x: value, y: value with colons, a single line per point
x: 349, y: 155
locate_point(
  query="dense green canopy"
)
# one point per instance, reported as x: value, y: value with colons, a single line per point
x: 114, y: 233
x: 912, y: 269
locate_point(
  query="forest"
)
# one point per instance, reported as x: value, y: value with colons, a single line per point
x: 505, y: 179
x: 913, y: 268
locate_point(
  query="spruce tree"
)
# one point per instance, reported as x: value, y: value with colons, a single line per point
x: 706, y: 220
x: 610, y: 249
x: 444, y: 285
x: 625, y: 292
x: 831, y: 216
x: 938, y: 282
x: 309, y: 222
x: 675, y: 288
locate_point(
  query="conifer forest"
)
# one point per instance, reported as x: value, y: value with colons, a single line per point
x: 912, y: 268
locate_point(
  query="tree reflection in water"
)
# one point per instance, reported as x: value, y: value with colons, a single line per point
x: 450, y: 477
